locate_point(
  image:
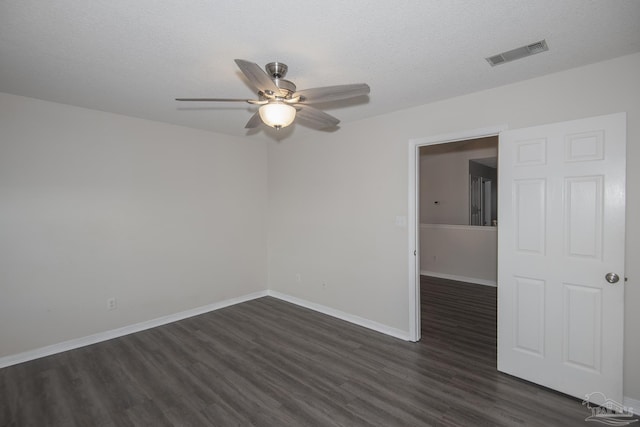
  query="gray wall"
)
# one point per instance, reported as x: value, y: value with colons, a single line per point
x: 96, y: 205
x: 444, y: 177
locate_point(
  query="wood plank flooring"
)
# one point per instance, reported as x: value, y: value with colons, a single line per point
x: 270, y: 363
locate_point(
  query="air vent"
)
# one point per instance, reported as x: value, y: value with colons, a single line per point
x: 518, y: 53
x: 495, y: 60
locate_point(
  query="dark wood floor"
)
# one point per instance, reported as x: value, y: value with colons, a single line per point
x: 270, y: 363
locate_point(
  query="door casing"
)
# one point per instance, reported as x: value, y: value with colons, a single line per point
x: 413, y: 218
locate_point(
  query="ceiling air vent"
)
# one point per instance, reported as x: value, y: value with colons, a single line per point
x: 518, y: 53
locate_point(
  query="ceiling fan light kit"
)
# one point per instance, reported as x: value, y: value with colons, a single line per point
x: 280, y: 103
x: 277, y: 114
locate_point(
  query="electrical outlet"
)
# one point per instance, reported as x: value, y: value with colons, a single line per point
x: 112, y: 304
x: 298, y: 278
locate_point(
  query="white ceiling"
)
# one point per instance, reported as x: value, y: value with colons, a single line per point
x: 134, y: 57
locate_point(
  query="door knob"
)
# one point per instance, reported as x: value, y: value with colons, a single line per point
x: 612, y: 278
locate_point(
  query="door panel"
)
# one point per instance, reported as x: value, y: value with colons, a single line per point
x: 583, y: 216
x: 530, y: 215
x: 561, y: 230
x: 529, y: 315
x: 582, y: 327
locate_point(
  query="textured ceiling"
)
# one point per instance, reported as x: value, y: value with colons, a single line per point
x: 134, y: 57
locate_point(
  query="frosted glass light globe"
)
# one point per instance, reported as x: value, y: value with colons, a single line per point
x: 277, y: 114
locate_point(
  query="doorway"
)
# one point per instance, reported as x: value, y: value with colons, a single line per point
x: 414, y: 213
x: 457, y: 207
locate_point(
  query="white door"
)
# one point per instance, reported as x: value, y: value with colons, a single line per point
x: 561, y: 230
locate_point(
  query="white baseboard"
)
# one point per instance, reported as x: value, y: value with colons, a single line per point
x: 360, y: 321
x: 459, y: 278
x: 632, y: 404
x: 5, y: 361
x: 125, y: 330
x: 37, y: 353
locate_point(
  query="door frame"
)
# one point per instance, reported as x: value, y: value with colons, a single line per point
x: 413, y: 217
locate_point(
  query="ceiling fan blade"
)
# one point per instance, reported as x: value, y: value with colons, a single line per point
x: 214, y: 99
x: 315, y: 118
x: 254, y: 121
x: 258, y: 78
x: 332, y: 93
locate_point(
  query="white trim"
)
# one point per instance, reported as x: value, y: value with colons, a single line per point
x: 633, y: 404
x: 459, y: 278
x: 413, y: 217
x: 414, y: 247
x: 125, y: 330
x: 459, y: 227
x: 459, y: 136
x: 26, y: 356
x: 360, y: 321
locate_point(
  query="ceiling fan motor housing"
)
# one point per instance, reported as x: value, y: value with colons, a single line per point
x: 277, y: 71
x: 285, y: 85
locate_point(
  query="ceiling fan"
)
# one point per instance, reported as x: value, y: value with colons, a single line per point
x: 279, y: 101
